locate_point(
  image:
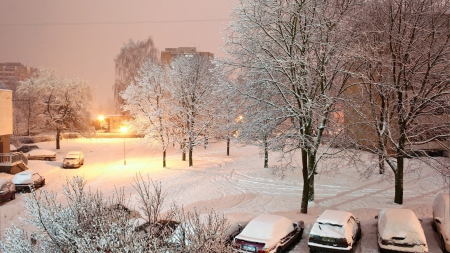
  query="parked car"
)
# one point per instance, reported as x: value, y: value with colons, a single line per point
x: 28, y: 179
x: 27, y: 147
x: 334, y: 231
x: 269, y: 233
x: 7, y: 190
x: 441, y: 219
x: 73, y: 159
x: 399, y: 230
x: 41, y: 154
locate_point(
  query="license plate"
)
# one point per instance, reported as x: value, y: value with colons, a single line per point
x: 326, y: 239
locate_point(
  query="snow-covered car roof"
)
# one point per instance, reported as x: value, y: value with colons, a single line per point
x: 400, y: 223
x: 266, y: 228
x: 333, y: 223
x: 41, y: 152
x: 23, y: 177
x: 73, y: 154
x: 336, y: 217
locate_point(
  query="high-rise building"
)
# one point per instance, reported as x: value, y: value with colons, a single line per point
x: 169, y: 53
x: 12, y: 72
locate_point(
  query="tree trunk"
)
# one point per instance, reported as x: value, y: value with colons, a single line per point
x: 164, y: 159
x: 266, y: 153
x: 183, y: 155
x: 304, y: 206
x: 191, y: 147
x: 58, y: 135
x: 311, y: 171
x: 399, y: 182
x: 228, y: 146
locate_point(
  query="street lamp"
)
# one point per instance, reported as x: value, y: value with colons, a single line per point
x: 124, y: 130
x: 101, y: 118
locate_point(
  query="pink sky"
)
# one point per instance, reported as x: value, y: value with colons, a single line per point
x: 82, y: 38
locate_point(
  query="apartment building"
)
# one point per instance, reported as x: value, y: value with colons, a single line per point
x: 169, y: 53
x: 12, y: 72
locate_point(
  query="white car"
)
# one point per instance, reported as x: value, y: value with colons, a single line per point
x: 441, y: 219
x: 41, y: 154
x: 73, y: 159
x: 399, y: 230
x: 28, y: 179
x: 269, y: 233
x: 336, y: 231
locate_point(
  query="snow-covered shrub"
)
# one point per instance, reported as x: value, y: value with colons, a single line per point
x: 89, y: 222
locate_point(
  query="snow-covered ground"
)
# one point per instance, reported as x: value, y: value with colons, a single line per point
x: 236, y: 185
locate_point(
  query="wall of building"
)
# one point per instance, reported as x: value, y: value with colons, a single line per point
x: 6, y: 112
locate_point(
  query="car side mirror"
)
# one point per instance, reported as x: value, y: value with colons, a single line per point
x: 437, y: 220
x: 376, y: 217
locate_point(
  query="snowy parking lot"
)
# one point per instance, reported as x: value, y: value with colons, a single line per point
x: 236, y: 185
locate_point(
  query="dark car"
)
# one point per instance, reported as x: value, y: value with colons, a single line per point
x: 27, y: 147
x: 27, y: 180
x: 334, y: 231
x: 7, y: 190
x: 269, y: 233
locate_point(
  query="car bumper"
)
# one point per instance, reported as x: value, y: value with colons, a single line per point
x: 401, y: 250
x: 319, y: 248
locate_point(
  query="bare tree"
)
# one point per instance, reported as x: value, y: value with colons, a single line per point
x: 149, y: 102
x: 195, y: 91
x: 130, y: 59
x: 26, y: 106
x: 405, y: 48
x: 63, y: 104
x: 297, y: 49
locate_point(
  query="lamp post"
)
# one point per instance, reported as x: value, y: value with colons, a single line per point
x: 124, y: 131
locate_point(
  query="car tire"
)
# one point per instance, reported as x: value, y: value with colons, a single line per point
x: 13, y: 196
x: 43, y: 183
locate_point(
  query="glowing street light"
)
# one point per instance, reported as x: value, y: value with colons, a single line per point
x: 124, y: 130
x: 101, y: 118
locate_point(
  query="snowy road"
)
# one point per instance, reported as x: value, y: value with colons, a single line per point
x: 236, y: 185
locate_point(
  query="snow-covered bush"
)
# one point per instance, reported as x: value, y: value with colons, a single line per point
x: 89, y: 222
